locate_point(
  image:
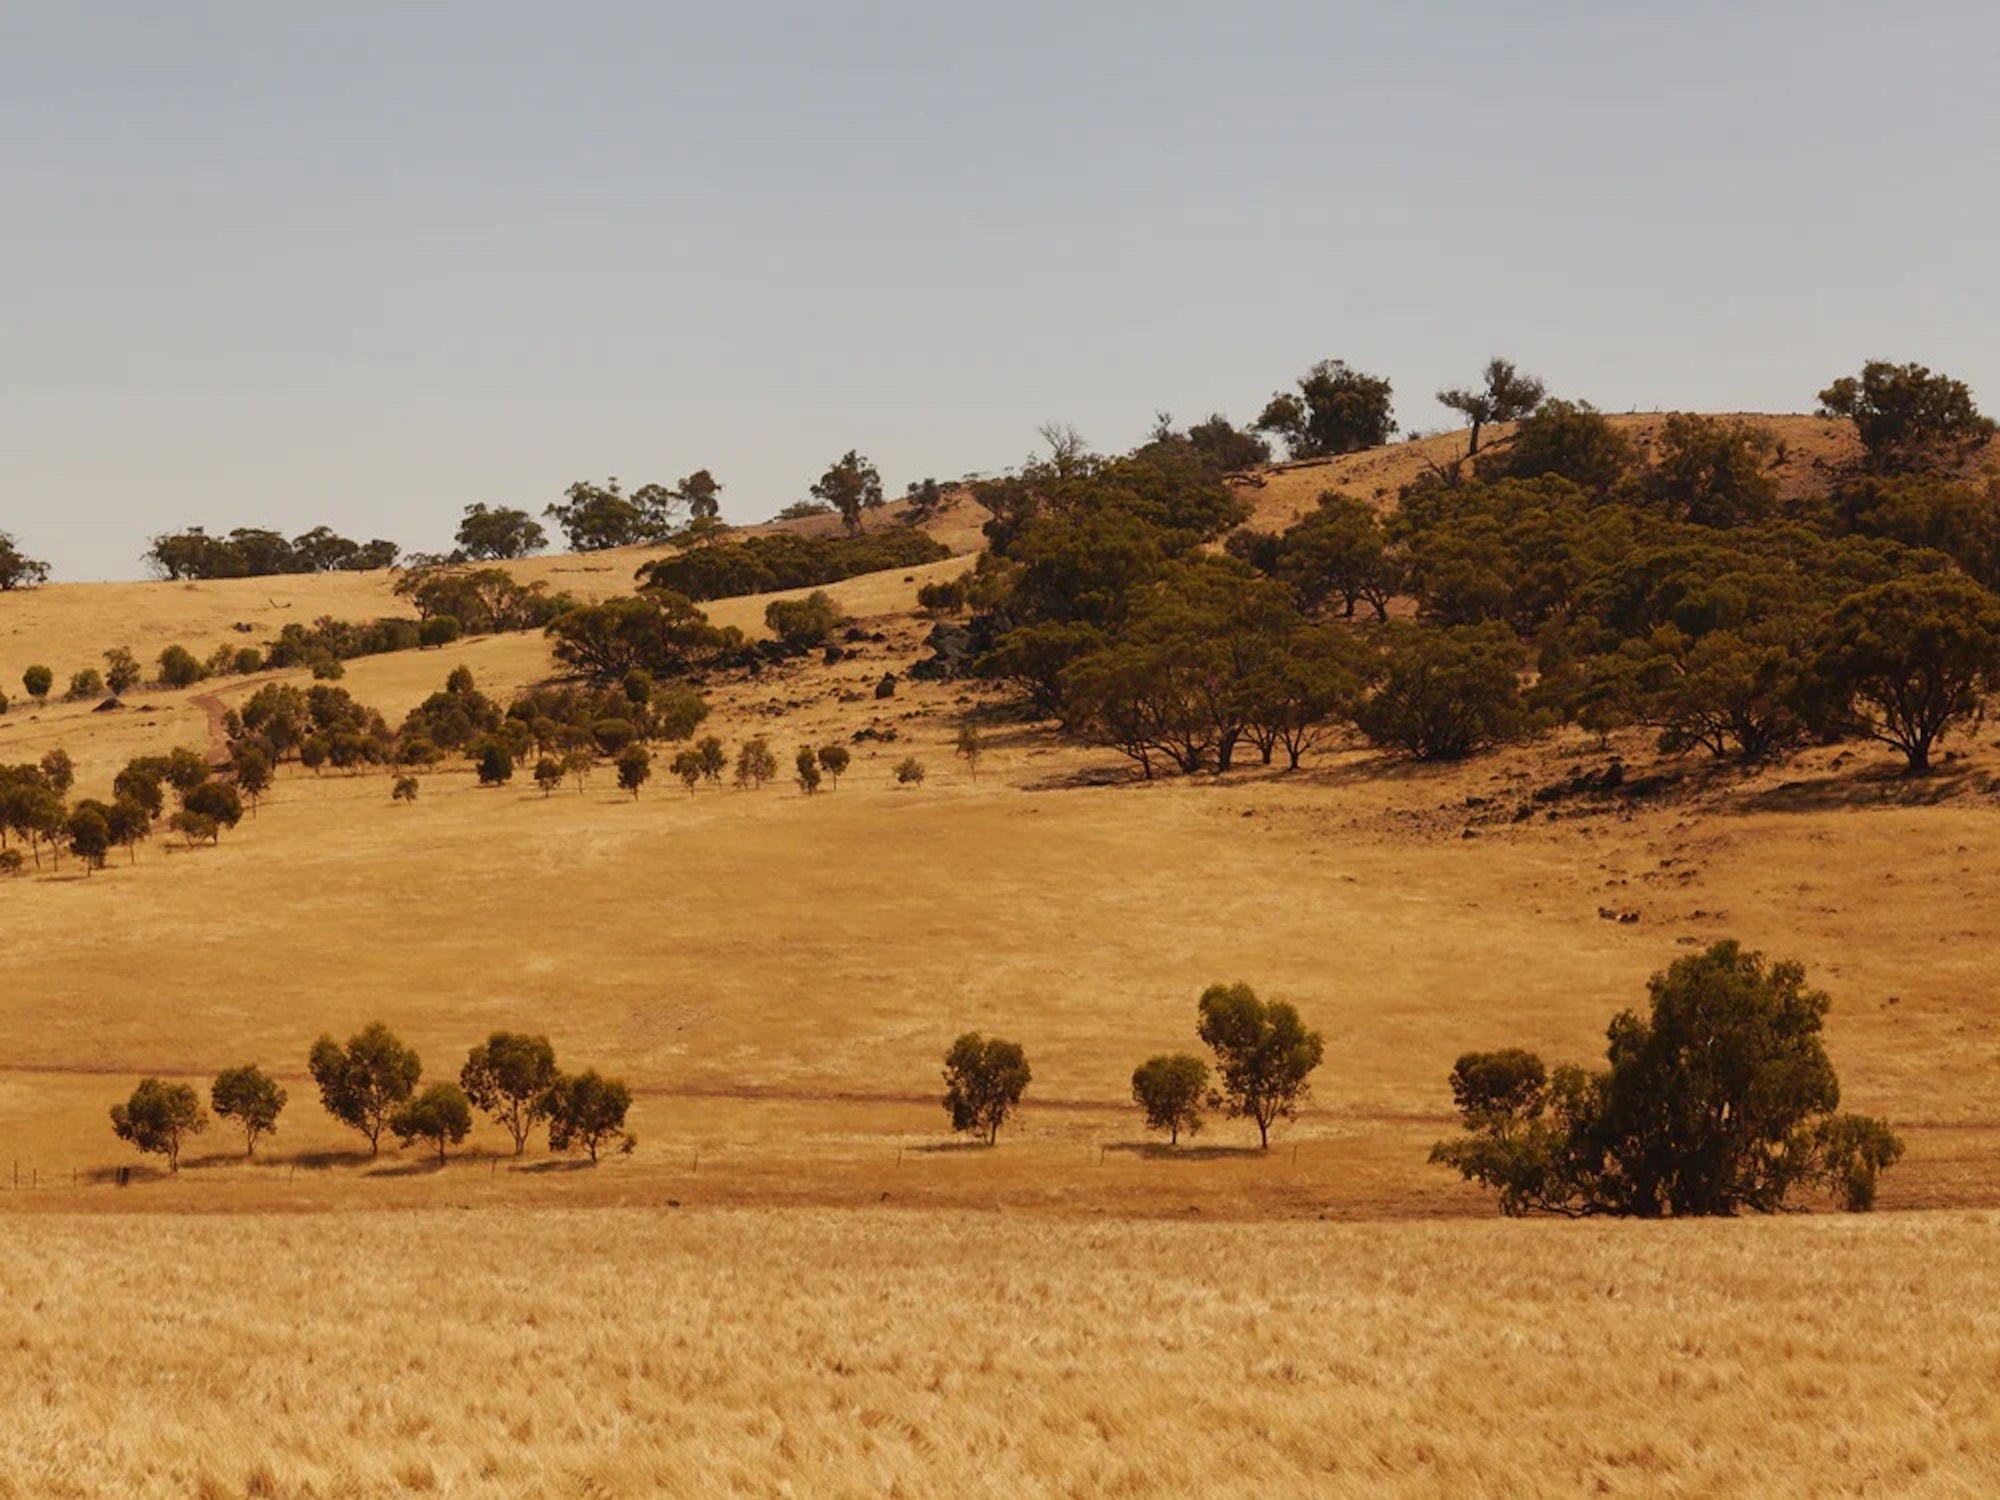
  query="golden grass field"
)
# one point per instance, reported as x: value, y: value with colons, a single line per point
x: 798, y: 1280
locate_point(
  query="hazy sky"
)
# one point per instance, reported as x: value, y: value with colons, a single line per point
x: 365, y: 263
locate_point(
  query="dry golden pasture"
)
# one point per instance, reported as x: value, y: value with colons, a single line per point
x: 627, y: 1353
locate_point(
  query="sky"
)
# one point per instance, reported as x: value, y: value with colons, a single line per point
x: 365, y: 264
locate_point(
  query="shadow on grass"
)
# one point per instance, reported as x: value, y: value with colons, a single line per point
x: 556, y: 1164
x: 1870, y: 788
x: 317, y: 1161
x: 1161, y: 1151
x: 946, y: 1148
x: 425, y: 1168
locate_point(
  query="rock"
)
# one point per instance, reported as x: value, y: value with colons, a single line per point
x: 886, y: 688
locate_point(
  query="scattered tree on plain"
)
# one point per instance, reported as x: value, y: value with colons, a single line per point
x: 508, y: 1076
x: 1335, y: 410
x: 1171, y: 1088
x: 851, y: 486
x: 635, y: 768
x: 363, y: 1083
x: 1504, y: 395
x: 440, y: 1115
x: 589, y: 1111
x: 807, y: 772
x: 984, y: 1079
x: 1907, y: 417
x: 755, y: 764
x: 909, y: 771
x: 1264, y: 1055
x: 159, y: 1118
x: 249, y: 1098
x: 834, y: 759
x: 38, y: 680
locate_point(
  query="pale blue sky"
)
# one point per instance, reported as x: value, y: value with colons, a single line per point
x: 365, y: 263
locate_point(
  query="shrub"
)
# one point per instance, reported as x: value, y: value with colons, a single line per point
x: 195, y: 828
x: 1263, y: 1052
x: 1170, y: 1089
x: 179, y: 667
x: 548, y: 774
x: 439, y: 630
x: 970, y: 748
x: 496, y: 766
x: 909, y: 771
x: 984, y: 1080
x: 785, y: 560
x: 834, y: 759
x: 1447, y: 693
x: 687, y: 765
x: 158, y: 1119
x: 676, y: 712
x: 635, y: 768
x: 808, y: 772
x: 405, y: 789
x: 251, y: 1098
x: 122, y: 672
x: 38, y: 680
x: 89, y: 683
x: 363, y: 1083
x: 89, y: 836
x: 804, y: 623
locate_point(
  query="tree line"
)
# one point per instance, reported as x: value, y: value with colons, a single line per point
x: 370, y: 1084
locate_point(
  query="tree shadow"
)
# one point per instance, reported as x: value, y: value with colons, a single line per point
x: 317, y: 1161
x: 1884, y: 787
x: 429, y: 1166
x: 946, y: 1148
x: 134, y: 1175
x: 1161, y: 1151
x: 556, y: 1164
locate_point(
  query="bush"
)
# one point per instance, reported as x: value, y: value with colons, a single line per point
x: 635, y: 768
x: 405, y: 789
x: 804, y: 623
x: 179, y: 667
x: 496, y: 766
x: 755, y: 764
x: 548, y: 774
x: 910, y: 772
x: 38, y: 680
x: 159, y: 1118
x: 833, y: 759
x: 439, y: 630
x: 1447, y: 693
x: 1171, y: 1089
x: 984, y: 1080
x: 122, y: 672
x: 785, y: 560
x: 89, y: 683
x: 808, y: 773
x: 1722, y: 1099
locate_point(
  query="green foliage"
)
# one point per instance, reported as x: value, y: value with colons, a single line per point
x: 594, y: 517
x: 834, y: 759
x: 755, y: 764
x: 1710, y: 471
x: 1914, y: 658
x: 496, y: 766
x: 17, y: 569
x: 488, y: 534
x: 635, y: 768
x: 38, y: 680
x: 88, y: 683
x: 482, y: 600
x: 159, y: 1118
x: 90, y: 835
x: 851, y: 486
x: 508, y: 1076
x: 406, y: 789
x: 588, y: 1111
x: 1720, y: 1100
x: 984, y: 1080
x: 254, y: 552
x: 1447, y: 693
x: 1336, y: 410
x: 548, y: 774
x: 786, y: 560
x: 1907, y: 417
x: 1569, y: 440
x: 970, y: 748
x: 195, y: 828
x: 363, y: 1083
x: 439, y: 630
x: 1339, y: 552
x: 1171, y: 1089
x: 251, y: 765
x: 440, y: 1115
x: 686, y: 765
x: 1504, y: 395
x: 909, y: 771
x: 217, y: 800
x: 804, y: 623
x: 660, y: 632
x: 180, y: 668
x: 807, y: 772
x: 1264, y: 1054
x: 251, y: 1099
x: 122, y: 672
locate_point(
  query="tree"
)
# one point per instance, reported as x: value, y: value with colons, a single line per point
x: 595, y: 517
x: 1171, y: 1089
x: 1571, y: 440
x: 686, y: 765
x: 807, y: 771
x: 159, y: 1118
x: 804, y: 623
x: 1339, y: 551
x: 701, y: 494
x: 1263, y: 1052
x: 1721, y: 1099
x: 970, y: 747
x: 1713, y: 472
x: 17, y: 569
x: 1906, y: 417
x: 676, y: 712
x: 362, y: 1084
x: 833, y: 759
x: 122, y: 672
x: 130, y: 824
x: 588, y: 1111
x: 984, y: 1080
x: 58, y: 771
x: 714, y: 759
x: 909, y: 771
x: 486, y: 535
x: 548, y: 774
x: 253, y: 771
x: 1505, y: 396
x: 251, y: 1098
x: 659, y: 630
x: 179, y: 667
x: 635, y: 767
x: 217, y: 800
x: 441, y: 1115
x: 1336, y: 410
x: 38, y: 680
x: 496, y: 766
x: 404, y: 790
x: 755, y: 764
x: 89, y: 836
x: 195, y: 828
x: 1447, y: 693
x: 850, y: 486
x: 508, y: 1076
x: 88, y: 683
x: 1914, y: 658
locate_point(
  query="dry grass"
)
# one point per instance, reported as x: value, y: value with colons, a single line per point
x: 832, y: 1354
